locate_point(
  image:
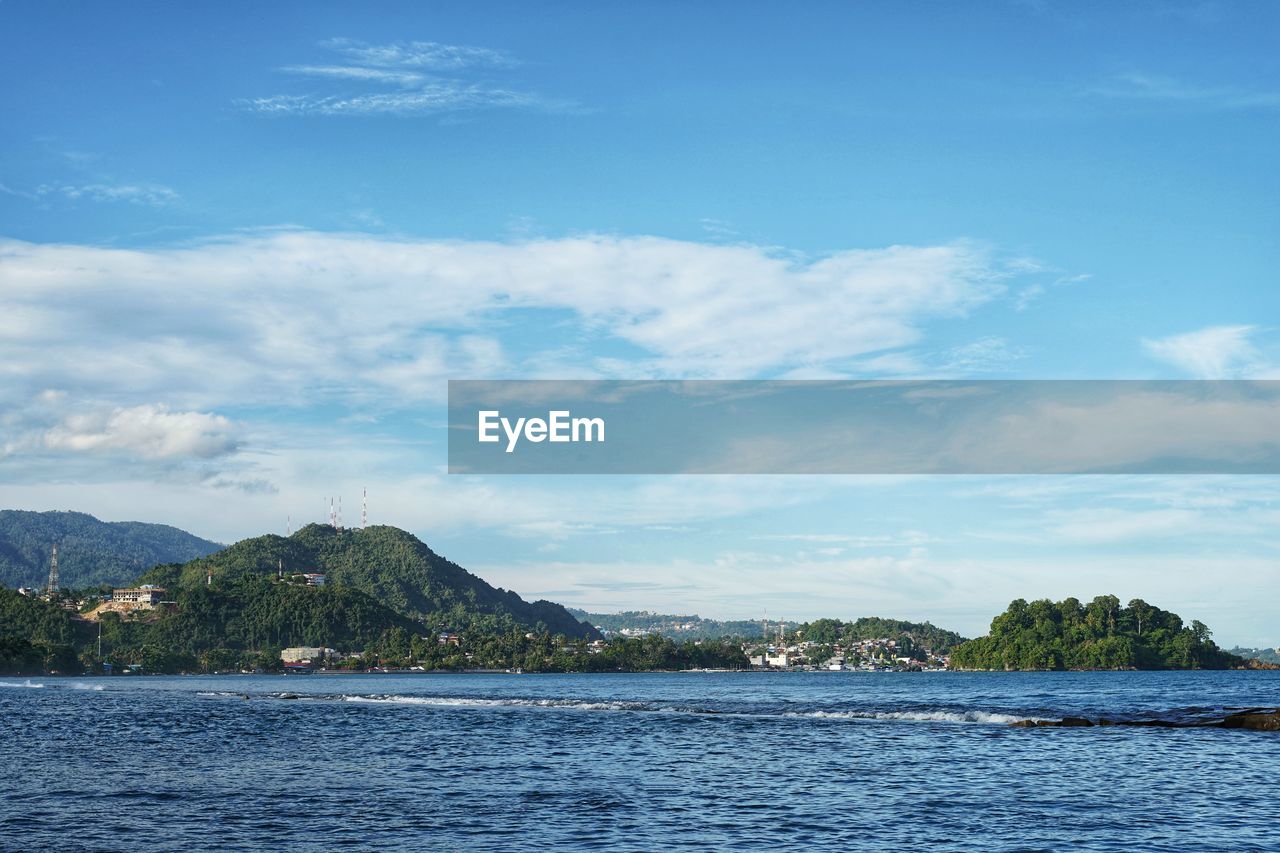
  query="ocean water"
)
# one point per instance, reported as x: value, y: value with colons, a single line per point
x: 696, y: 761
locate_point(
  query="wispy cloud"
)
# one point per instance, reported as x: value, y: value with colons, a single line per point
x: 1139, y: 87
x: 404, y: 79
x: 355, y: 72
x: 420, y: 54
x: 1214, y: 352
x: 151, y: 195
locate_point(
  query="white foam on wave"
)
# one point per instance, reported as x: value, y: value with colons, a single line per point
x: 80, y: 685
x: 920, y: 716
x: 480, y: 702
x: 27, y: 683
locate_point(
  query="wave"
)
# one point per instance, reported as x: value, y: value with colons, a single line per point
x: 27, y: 683
x: 80, y: 685
x: 991, y: 717
x: 922, y: 715
x: 480, y: 702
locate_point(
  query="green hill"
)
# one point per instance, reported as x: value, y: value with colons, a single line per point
x: 911, y: 635
x: 245, y: 615
x: 388, y: 564
x: 90, y: 552
x: 1099, y: 635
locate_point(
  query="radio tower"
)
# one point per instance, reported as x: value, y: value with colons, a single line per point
x: 333, y: 515
x: 54, y: 583
x: 364, y: 509
x: 339, y: 516
x: 288, y: 525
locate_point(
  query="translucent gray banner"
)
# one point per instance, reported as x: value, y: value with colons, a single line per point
x: 881, y: 427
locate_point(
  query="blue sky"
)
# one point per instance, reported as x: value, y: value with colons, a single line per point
x: 243, y: 246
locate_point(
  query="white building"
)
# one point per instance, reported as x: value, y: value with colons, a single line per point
x: 145, y: 595
x: 304, y: 654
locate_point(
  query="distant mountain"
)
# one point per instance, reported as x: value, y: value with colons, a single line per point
x: 671, y: 625
x: 826, y: 631
x: 90, y: 551
x: 392, y: 566
x: 1264, y: 655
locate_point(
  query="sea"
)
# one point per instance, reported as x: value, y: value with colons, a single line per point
x: 644, y: 762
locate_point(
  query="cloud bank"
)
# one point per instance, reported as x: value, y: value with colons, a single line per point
x: 308, y: 318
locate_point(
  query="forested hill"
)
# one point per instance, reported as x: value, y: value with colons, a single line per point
x: 392, y: 566
x: 90, y: 552
x: 1099, y: 635
x: 919, y: 634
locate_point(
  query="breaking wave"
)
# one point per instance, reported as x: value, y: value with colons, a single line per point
x: 27, y: 683
x: 926, y: 715
x: 920, y: 716
x: 476, y: 702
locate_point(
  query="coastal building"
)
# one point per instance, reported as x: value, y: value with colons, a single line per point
x: 144, y: 596
x: 305, y: 654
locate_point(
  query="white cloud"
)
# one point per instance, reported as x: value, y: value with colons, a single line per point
x: 429, y: 98
x: 301, y: 317
x: 148, y: 432
x: 151, y: 195
x: 420, y: 54
x: 1156, y: 89
x: 355, y: 72
x: 427, y: 78
x: 1215, y: 352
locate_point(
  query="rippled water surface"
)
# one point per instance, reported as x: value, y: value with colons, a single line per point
x: 637, y: 762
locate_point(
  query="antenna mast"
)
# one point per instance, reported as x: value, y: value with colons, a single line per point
x: 364, y: 509
x: 54, y: 583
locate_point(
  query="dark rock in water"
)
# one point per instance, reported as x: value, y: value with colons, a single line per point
x: 1255, y: 720
x: 1065, y: 722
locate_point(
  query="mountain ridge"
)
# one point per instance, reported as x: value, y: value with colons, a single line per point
x: 90, y: 551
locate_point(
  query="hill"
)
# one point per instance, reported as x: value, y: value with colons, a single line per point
x: 909, y: 635
x: 670, y: 625
x: 1100, y: 635
x: 390, y: 565
x: 90, y: 552
x: 224, y: 626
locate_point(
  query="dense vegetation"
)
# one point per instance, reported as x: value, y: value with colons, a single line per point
x: 909, y: 635
x: 90, y: 552
x: 388, y: 564
x: 548, y: 653
x: 244, y: 622
x: 1099, y: 635
x: 35, y: 636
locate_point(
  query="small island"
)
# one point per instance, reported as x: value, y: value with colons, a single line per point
x: 1048, y: 635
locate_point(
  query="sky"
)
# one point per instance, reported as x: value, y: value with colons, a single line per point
x: 244, y: 246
